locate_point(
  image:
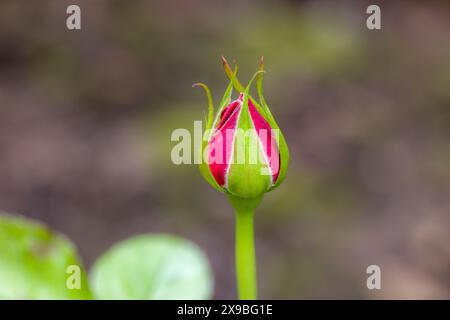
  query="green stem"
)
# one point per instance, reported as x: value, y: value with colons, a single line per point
x: 245, y: 255
x: 245, y: 246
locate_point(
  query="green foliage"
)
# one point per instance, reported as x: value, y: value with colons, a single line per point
x: 152, y: 267
x: 34, y: 262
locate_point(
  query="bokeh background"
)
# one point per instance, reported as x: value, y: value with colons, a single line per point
x: 86, y: 118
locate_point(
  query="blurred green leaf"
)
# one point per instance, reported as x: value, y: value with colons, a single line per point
x: 150, y: 267
x: 34, y: 262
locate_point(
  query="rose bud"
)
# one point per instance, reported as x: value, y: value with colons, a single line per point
x: 244, y: 153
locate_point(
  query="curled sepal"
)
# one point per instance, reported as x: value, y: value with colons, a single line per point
x: 209, y: 130
x: 283, y: 148
x: 239, y: 87
x: 210, y: 103
x: 237, y: 84
x: 226, y: 99
x: 203, y: 166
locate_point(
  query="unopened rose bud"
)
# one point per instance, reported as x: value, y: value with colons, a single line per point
x: 244, y: 152
x: 244, y: 155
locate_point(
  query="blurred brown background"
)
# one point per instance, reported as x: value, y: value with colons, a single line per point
x: 86, y: 118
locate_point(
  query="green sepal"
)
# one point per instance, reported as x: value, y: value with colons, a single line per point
x: 203, y: 166
x: 282, y: 145
x: 239, y: 87
x: 265, y: 112
x: 206, y: 173
x: 210, y: 102
x: 226, y: 99
x: 245, y: 179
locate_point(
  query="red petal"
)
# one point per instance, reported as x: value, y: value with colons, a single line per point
x: 228, y: 111
x: 267, y: 139
x: 221, y: 144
